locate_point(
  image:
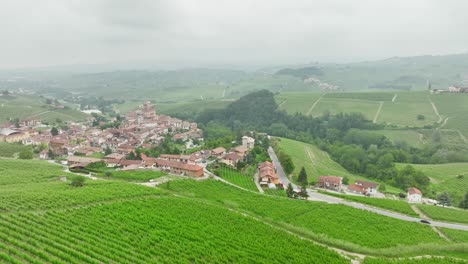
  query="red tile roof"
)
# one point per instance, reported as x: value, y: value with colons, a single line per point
x: 178, y: 165
x: 366, y: 184
x: 413, y: 190
x: 330, y: 179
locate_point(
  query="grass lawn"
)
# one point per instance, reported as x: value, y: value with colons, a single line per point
x: 444, y: 214
x: 9, y: 150
x: 410, y: 136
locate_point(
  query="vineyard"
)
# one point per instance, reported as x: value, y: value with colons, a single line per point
x: 138, y: 175
x: 414, y: 261
x: 445, y: 214
x: 387, y: 204
x: 160, y: 230
x: 237, y: 178
x: 317, y: 220
x: 19, y: 171
x: 8, y: 150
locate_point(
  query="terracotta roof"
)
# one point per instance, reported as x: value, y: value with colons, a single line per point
x: 330, y: 179
x: 366, y: 184
x: 178, y: 165
x: 413, y: 190
x: 172, y: 156
x: 218, y: 150
x: 232, y: 156
x: 82, y: 159
x: 115, y: 156
x: 129, y: 162
x: 240, y: 149
x: 266, y: 164
x: 356, y: 188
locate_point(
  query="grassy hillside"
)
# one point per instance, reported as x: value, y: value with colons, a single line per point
x: 316, y: 162
x: 44, y: 220
x: 23, y: 107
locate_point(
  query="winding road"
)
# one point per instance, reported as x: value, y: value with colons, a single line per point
x: 315, y: 196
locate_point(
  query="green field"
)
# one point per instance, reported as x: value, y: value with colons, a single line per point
x: 296, y: 102
x: 455, y: 235
x: 44, y: 220
x: 9, y: 150
x: 455, y: 108
x: 316, y: 162
x: 335, y: 106
x: 318, y: 220
x: 412, y: 137
x: 237, y: 178
x: 444, y: 214
x: 406, y: 108
x: 398, y: 206
x: 451, y: 177
x: 33, y: 107
x: 425, y: 260
x: 137, y: 175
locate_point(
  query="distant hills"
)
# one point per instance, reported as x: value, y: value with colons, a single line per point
x: 397, y: 73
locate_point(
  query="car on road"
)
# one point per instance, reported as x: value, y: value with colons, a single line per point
x: 425, y: 221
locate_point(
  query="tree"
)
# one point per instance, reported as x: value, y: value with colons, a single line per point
x: 444, y: 199
x: 420, y: 117
x: 436, y: 137
x: 26, y: 154
x: 51, y: 154
x: 346, y: 180
x: 464, y: 202
x: 290, y: 191
x: 302, y: 178
x: 107, y: 151
x: 78, y: 181
x: 108, y: 174
x: 382, y: 187
x: 54, y: 131
x: 303, y: 193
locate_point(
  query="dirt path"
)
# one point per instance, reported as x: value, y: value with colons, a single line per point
x: 256, y: 179
x: 394, y: 98
x: 313, y: 106
x: 40, y: 114
x: 436, y: 111
x: 378, y: 112
x: 423, y: 216
x: 462, y: 136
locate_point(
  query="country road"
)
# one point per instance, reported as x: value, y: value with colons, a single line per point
x: 315, y: 196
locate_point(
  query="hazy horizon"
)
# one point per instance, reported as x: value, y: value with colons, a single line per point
x: 253, y: 34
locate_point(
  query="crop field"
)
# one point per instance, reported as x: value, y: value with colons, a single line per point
x: 425, y: 260
x: 392, y: 205
x: 44, y: 220
x: 335, y: 106
x: 8, y: 150
x: 20, y: 171
x: 412, y: 137
x: 455, y: 108
x: 237, y: 178
x: 370, y: 96
x: 455, y: 235
x: 444, y: 214
x: 281, y: 193
x: 132, y: 232
x: 296, y: 102
x: 28, y: 106
x: 137, y: 175
x: 316, y: 162
x: 314, y: 219
x: 406, y: 108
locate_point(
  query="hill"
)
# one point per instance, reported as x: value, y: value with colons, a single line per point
x: 28, y: 106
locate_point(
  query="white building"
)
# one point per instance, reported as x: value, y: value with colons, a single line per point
x: 414, y: 195
x: 248, y: 142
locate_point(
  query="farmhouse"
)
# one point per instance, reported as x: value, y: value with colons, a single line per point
x: 414, y: 195
x: 218, y: 152
x: 76, y: 159
x: 364, y: 188
x: 231, y: 159
x: 330, y: 182
x: 179, y: 168
x: 267, y: 174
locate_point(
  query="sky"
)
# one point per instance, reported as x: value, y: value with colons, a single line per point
x: 211, y: 32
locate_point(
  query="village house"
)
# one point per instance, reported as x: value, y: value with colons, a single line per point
x: 414, y: 195
x: 84, y: 160
x: 267, y: 174
x: 178, y: 158
x: 364, y: 188
x: 218, y: 152
x: 330, y: 182
x: 11, y: 136
x: 57, y: 145
x: 179, y: 168
x: 240, y: 150
x: 231, y: 159
x: 248, y: 142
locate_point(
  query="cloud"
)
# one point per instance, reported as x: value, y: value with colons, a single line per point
x: 187, y: 32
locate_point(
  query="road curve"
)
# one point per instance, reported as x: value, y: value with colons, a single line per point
x: 315, y: 196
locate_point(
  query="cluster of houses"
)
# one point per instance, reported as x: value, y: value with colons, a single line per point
x: 267, y: 175
x: 450, y: 89
x: 235, y: 154
x: 366, y: 188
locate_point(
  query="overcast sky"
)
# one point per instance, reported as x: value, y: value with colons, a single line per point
x: 253, y: 32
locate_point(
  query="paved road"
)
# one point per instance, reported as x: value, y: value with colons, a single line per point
x: 315, y: 196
